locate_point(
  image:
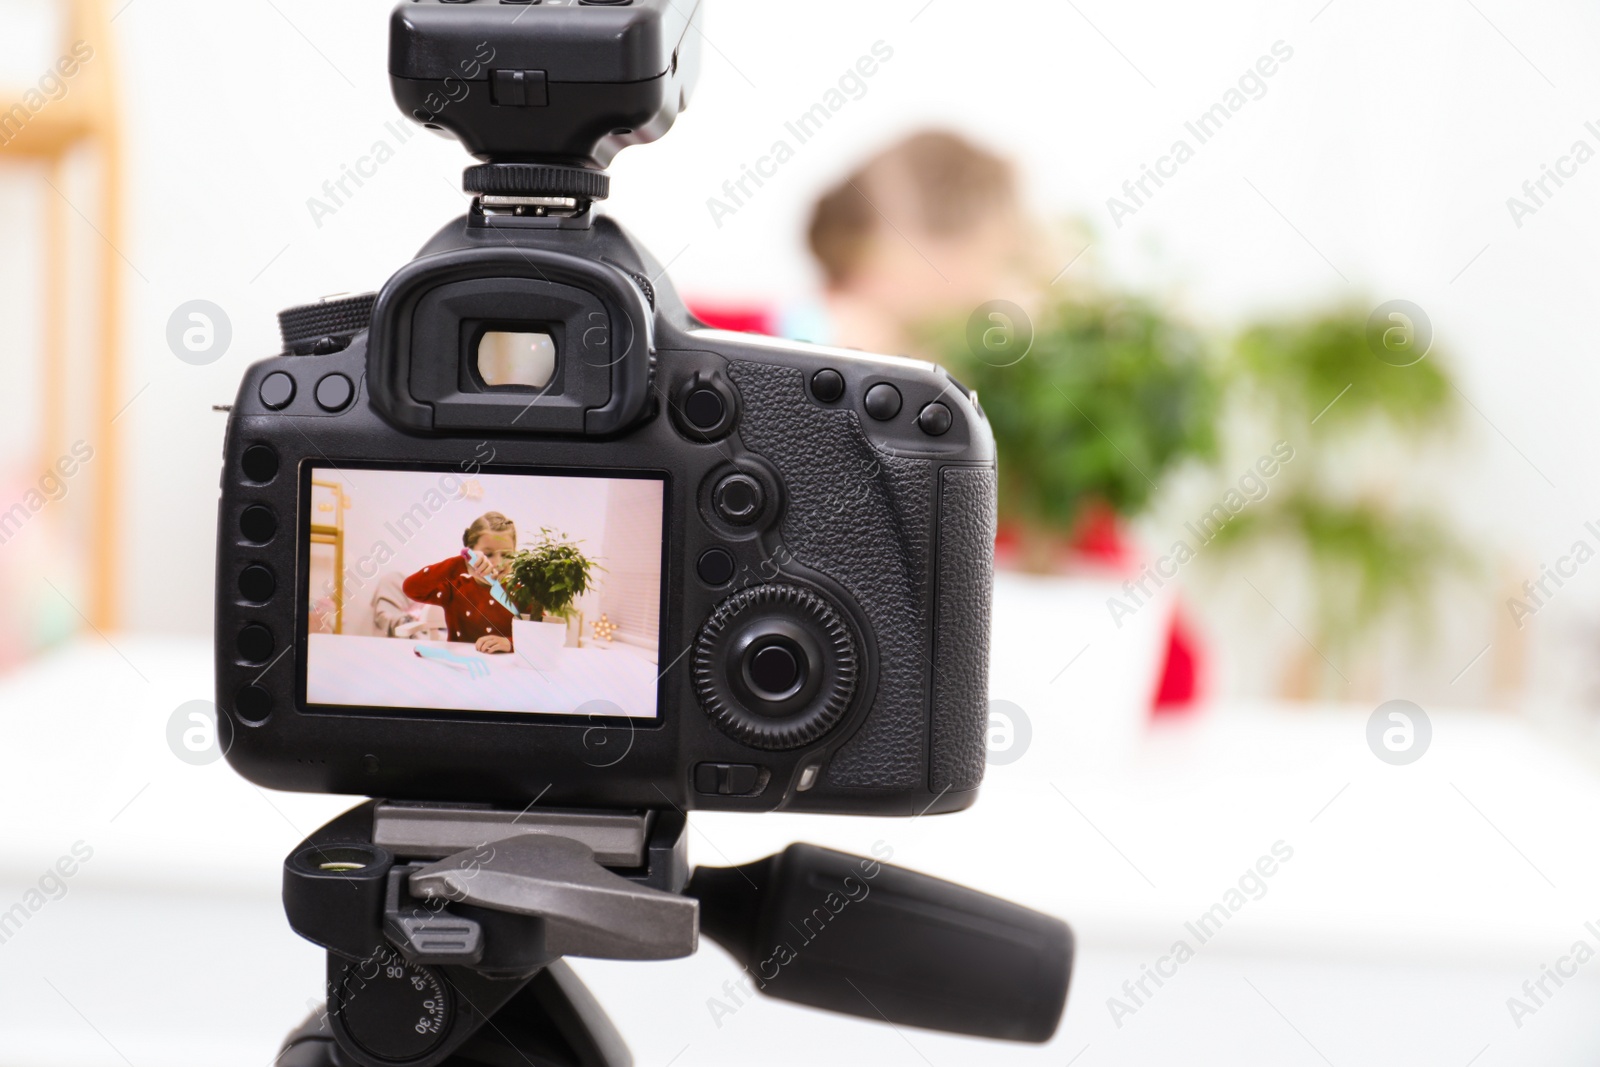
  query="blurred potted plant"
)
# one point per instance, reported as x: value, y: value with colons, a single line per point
x: 1367, y: 552
x: 1089, y: 413
x: 545, y: 582
x: 1111, y: 394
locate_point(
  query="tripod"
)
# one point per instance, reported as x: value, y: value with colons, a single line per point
x: 446, y: 928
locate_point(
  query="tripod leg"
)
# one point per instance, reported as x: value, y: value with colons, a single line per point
x: 311, y: 1045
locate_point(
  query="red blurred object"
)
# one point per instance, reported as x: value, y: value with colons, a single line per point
x: 740, y: 318
x: 1100, y: 539
x: 1179, y: 691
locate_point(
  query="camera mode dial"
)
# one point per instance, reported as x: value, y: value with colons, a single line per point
x: 775, y: 667
x: 326, y: 326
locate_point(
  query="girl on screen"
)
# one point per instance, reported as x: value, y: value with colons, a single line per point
x: 461, y: 585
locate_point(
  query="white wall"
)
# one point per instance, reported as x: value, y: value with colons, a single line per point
x: 1377, y: 166
x: 382, y: 523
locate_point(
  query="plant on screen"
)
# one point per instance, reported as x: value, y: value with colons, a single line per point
x: 550, y: 575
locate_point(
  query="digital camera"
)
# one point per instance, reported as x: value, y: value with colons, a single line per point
x: 520, y: 528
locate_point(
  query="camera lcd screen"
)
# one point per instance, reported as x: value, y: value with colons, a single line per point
x: 448, y: 591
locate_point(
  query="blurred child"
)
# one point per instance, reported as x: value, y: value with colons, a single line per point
x: 461, y: 585
x: 926, y: 230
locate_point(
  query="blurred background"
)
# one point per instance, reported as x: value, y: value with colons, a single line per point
x: 1282, y: 314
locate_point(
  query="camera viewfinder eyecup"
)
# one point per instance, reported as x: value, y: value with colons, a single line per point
x: 433, y: 313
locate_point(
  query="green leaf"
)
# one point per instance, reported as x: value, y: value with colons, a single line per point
x: 550, y: 575
x: 1112, y: 396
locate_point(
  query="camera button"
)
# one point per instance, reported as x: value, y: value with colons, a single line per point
x: 334, y: 392
x: 252, y: 705
x: 257, y: 583
x: 715, y: 566
x: 739, y: 498
x: 258, y: 524
x: 883, y: 401
x: 775, y: 670
x: 277, y: 391
x: 935, y: 419
x: 704, y: 408
x: 727, y: 779
x: 260, y: 463
x: 255, y: 643
x: 827, y: 385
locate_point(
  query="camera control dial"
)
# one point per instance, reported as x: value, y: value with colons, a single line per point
x: 775, y: 666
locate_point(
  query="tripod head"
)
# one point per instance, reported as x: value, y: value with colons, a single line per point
x: 545, y: 93
x: 446, y: 925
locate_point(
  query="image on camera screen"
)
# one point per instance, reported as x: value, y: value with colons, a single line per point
x: 448, y: 591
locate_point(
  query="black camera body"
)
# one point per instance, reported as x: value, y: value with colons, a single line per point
x: 795, y: 551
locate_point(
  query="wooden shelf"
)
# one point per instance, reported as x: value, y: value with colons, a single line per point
x: 87, y: 116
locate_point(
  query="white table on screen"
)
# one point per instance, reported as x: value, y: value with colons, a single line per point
x: 386, y: 672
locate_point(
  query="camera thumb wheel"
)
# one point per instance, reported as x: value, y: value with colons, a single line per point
x: 775, y: 667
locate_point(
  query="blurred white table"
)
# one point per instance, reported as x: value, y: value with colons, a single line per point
x: 1417, y: 901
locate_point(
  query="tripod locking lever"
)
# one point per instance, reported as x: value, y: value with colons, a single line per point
x: 587, y: 910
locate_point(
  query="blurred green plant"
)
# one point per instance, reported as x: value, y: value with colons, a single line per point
x: 1114, y: 394
x: 1368, y: 551
x: 1111, y: 395
x: 551, y: 575
x: 1321, y: 367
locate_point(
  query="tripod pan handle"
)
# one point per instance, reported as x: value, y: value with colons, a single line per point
x: 853, y: 935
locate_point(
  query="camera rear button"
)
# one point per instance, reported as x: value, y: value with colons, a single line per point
x: 883, y: 401
x: 277, y: 390
x: 258, y: 524
x: 260, y: 463
x: 704, y: 409
x: 255, y: 643
x: 715, y: 567
x: 334, y: 392
x: 775, y: 670
x: 257, y: 584
x: 827, y: 385
x: 739, y: 498
x: 252, y: 705
x: 935, y: 419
